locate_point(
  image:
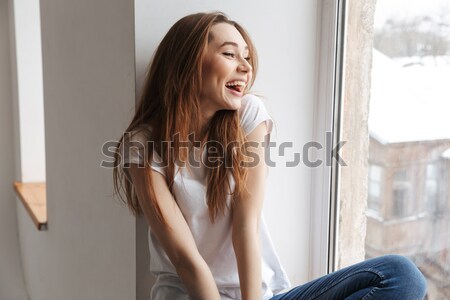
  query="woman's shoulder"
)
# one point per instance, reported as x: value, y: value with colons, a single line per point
x: 140, y: 135
x: 136, y: 146
x: 253, y: 112
x: 135, y: 143
x: 251, y: 104
x: 250, y: 100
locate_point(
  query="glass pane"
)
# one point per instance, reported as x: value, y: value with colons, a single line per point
x: 375, y: 173
x: 409, y: 133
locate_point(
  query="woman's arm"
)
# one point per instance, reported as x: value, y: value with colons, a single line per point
x: 246, y: 215
x: 175, y: 237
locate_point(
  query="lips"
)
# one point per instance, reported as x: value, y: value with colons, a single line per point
x: 236, y: 85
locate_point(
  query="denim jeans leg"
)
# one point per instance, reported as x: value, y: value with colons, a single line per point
x: 389, y: 277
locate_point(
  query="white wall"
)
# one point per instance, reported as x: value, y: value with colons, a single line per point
x: 93, y: 247
x: 285, y: 37
x: 89, y: 250
x: 12, y: 286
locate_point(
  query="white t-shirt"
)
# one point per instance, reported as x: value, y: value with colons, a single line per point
x: 213, y: 240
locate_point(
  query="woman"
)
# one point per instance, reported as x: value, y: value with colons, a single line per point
x: 193, y: 161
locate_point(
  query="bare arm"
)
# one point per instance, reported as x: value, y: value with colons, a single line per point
x: 246, y: 217
x: 175, y: 237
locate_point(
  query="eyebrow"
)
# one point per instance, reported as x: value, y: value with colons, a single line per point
x: 232, y: 44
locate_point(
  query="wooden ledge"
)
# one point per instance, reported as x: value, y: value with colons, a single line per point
x: 34, y: 198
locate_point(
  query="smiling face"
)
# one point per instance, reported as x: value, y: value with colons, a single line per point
x: 225, y: 70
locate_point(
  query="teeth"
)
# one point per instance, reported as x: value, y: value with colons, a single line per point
x: 234, y: 83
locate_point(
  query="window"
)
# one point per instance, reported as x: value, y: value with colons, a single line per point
x: 399, y: 202
x: 375, y: 184
x: 431, y: 188
x: 400, y: 177
x: 394, y: 114
x: 29, y: 115
x: 401, y: 196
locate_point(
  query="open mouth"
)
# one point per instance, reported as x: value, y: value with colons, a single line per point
x: 236, y: 85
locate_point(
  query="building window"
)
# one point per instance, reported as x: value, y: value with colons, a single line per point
x: 399, y: 203
x: 431, y: 188
x: 375, y: 186
x: 401, y: 200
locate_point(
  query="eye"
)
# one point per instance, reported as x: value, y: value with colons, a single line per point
x: 229, y: 54
x: 247, y: 58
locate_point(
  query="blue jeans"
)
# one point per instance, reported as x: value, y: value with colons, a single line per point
x: 389, y: 277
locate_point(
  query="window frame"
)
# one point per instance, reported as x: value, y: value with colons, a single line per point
x: 330, y: 61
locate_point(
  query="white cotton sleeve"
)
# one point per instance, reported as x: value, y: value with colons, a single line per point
x: 134, y: 149
x: 252, y: 113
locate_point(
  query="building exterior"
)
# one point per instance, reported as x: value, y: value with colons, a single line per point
x: 409, y: 205
x: 408, y: 202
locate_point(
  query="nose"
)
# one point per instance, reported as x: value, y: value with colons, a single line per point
x: 245, y: 66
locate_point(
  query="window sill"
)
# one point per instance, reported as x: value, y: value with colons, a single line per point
x: 34, y: 198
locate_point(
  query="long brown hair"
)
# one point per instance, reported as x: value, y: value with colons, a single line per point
x: 169, y: 105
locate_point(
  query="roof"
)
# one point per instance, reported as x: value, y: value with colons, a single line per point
x: 409, y: 103
x: 446, y: 154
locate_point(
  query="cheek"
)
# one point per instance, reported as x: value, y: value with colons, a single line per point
x: 215, y: 73
x: 218, y: 68
x: 250, y: 75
